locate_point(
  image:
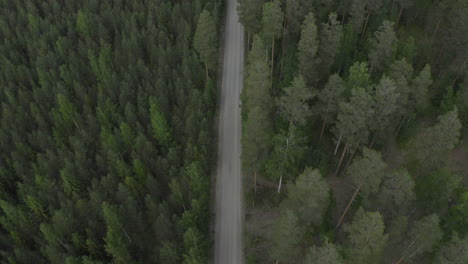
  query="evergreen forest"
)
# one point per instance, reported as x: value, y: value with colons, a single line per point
x: 355, y: 131
x: 106, y: 130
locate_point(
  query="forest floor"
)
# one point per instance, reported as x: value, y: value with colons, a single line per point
x: 458, y: 160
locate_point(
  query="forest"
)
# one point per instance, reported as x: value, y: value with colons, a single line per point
x: 106, y: 127
x: 355, y: 129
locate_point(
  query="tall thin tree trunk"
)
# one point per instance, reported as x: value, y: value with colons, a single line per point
x: 255, y: 181
x: 399, y: 126
x: 341, y: 159
x: 323, y: 128
x: 283, y: 40
x: 365, y: 25
x: 280, y: 182
x: 404, y: 254
x: 337, y: 144
x: 393, y: 4
x: 284, y: 157
x: 125, y: 232
x: 372, y: 142
x: 206, y: 71
x: 399, y: 15
x: 436, y: 29
x: 351, y: 158
x: 459, y: 71
x: 248, y: 41
x: 272, y: 59
x: 348, y: 206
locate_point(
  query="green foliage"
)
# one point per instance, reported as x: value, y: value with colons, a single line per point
x: 293, y: 105
x: 308, y: 197
x: 287, y: 233
x: 453, y: 251
x: 354, y: 117
x: 159, y: 124
x: 272, y: 20
x: 367, y: 171
x: 435, y: 189
x: 327, y: 254
x: 250, y: 14
x: 366, y: 238
x: 330, y: 40
x: 397, y: 191
x: 205, y: 40
x: 383, y: 46
x: 99, y: 101
x: 425, y: 234
x: 330, y: 97
x: 435, y: 142
x: 307, y: 50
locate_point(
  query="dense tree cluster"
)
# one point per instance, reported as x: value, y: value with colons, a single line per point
x: 367, y: 101
x: 105, y: 130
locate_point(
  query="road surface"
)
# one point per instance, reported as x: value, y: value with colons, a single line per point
x: 229, y: 210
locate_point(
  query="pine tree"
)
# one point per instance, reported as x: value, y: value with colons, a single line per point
x: 327, y: 254
x: 159, y: 124
x: 453, y: 251
x: 329, y: 99
x: 397, y: 191
x: 365, y: 237
x: 250, y: 15
x: 353, y: 121
x: 419, y: 93
x: 385, y: 105
x: 293, y: 105
x: 358, y: 11
x: 294, y: 109
x: 272, y: 25
x: 422, y: 237
x: 434, y: 143
x: 308, y: 197
x: 359, y: 76
x: 383, y: 47
x: 366, y: 173
x: 307, y: 50
x: 205, y: 41
x: 330, y: 41
x: 287, y: 234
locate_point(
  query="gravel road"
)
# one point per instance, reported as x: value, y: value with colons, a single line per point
x: 229, y: 209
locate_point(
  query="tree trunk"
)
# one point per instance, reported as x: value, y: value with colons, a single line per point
x: 248, y: 41
x: 284, y: 157
x: 341, y: 159
x: 125, y: 232
x: 404, y: 255
x: 283, y: 41
x: 365, y: 25
x: 255, y: 181
x: 337, y: 144
x: 393, y: 4
x: 206, y: 71
x: 348, y: 206
x: 459, y: 71
x: 351, y: 158
x: 272, y: 59
x: 321, y: 131
x: 372, y: 142
x: 279, y: 184
x: 399, y: 15
x: 399, y: 126
x: 436, y: 29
